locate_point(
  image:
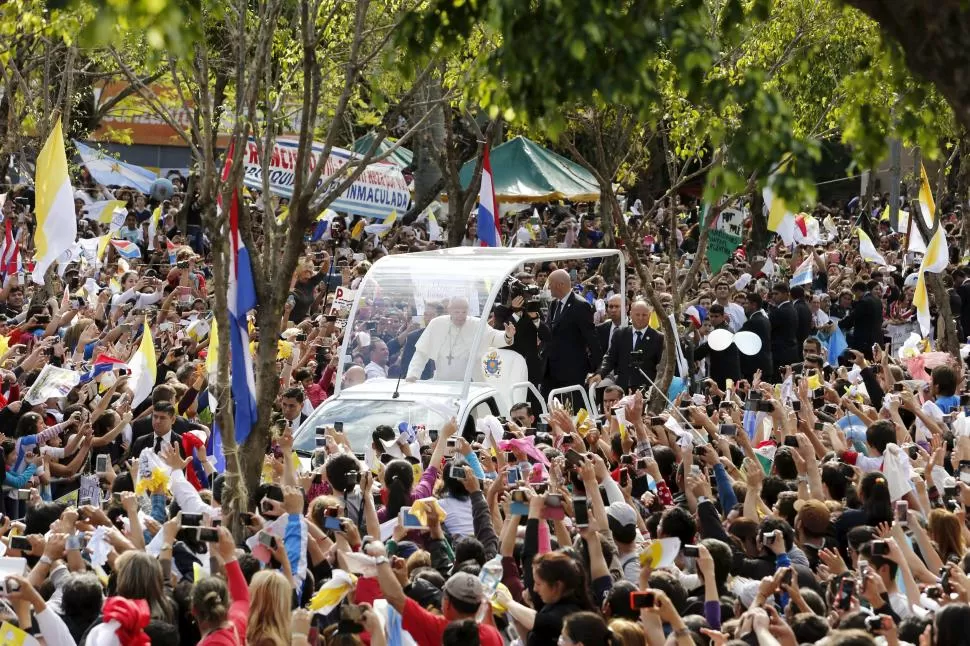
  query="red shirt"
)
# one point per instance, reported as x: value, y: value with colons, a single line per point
x: 429, y: 629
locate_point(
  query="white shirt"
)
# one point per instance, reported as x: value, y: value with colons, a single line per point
x: 735, y: 315
x: 374, y: 371
x: 642, y: 334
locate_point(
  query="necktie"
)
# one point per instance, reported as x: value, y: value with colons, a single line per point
x: 609, y: 343
x: 636, y: 339
x: 158, y: 444
x: 555, y: 311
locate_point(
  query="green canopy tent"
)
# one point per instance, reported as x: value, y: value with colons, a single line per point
x: 401, y: 155
x: 524, y: 171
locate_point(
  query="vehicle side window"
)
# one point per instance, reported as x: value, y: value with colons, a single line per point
x: 479, y: 411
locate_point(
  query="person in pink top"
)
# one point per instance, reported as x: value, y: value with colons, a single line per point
x: 220, y: 623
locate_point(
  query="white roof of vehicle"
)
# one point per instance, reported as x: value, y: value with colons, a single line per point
x: 383, y: 389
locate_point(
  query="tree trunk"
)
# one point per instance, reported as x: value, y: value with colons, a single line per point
x: 428, y: 140
x: 947, y: 340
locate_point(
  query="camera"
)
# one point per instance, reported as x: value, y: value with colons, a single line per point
x: 529, y: 293
x: 8, y: 585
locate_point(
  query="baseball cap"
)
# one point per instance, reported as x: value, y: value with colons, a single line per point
x: 465, y: 587
x: 813, y: 515
x: 622, y: 513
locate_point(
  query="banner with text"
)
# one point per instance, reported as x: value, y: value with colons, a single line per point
x: 380, y: 189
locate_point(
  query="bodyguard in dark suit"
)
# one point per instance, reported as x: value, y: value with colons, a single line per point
x: 637, y: 337
x: 785, y: 349
x: 724, y: 364
x: 759, y: 324
x: 572, y: 346
x: 163, y: 418
x: 865, y: 320
x: 606, y: 330
x: 529, y: 332
x: 804, y: 312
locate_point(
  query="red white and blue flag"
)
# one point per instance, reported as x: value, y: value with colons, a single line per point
x: 10, y: 262
x: 172, y: 254
x: 488, y: 222
x: 242, y: 299
x: 128, y: 250
x: 102, y: 364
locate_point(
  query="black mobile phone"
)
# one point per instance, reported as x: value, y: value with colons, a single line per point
x: 846, y: 592
x: 433, y: 434
x: 898, y: 387
x: 791, y: 441
x: 640, y: 600
x: 624, y: 477
x: 627, y: 459
x: 819, y: 426
x: 765, y: 407
x: 338, y: 426
x: 581, y: 512
x: 656, y: 421
x: 191, y: 520
x: 727, y: 429
x: 188, y: 534
x: 573, y: 458
x: 830, y: 409
x: 691, y: 551
x: 246, y: 517
x: 208, y: 534
x: 880, y: 548
x: 20, y: 543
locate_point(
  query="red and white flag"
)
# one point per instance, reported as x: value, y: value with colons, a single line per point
x: 10, y: 261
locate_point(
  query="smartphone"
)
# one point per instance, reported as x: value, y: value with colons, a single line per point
x: 846, y: 592
x: 573, y: 458
x: 83, y: 502
x: 433, y: 434
x: 409, y: 520
x: 188, y: 534
x: 727, y: 429
x: 830, y: 409
x: 627, y: 459
x: 321, y: 442
x: 191, y: 520
x: 581, y: 512
x: 788, y: 576
x: 510, y: 457
x: 246, y: 518
x: 964, y: 468
x: 20, y: 543
x: 656, y: 421
x: 480, y: 438
x: 267, y: 540
x: 765, y: 407
x: 880, y: 548
x: 819, y: 426
x: 768, y: 538
x: 898, y: 387
x: 640, y: 600
x: 792, y: 441
x: 513, y: 475
x: 452, y: 443
x: 101, y: 463
x: 691, y: 551
x: 901, y: 512
x: 208, y: 534
x: 338, y: 426
x: 624, y: 477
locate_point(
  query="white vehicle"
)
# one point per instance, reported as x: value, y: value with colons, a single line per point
x: 396, y: 289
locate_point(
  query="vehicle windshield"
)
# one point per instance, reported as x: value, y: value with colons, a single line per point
x: 361, y: 417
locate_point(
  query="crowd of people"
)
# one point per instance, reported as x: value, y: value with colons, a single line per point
x: 812, y: 491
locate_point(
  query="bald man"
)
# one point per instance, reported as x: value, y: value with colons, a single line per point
x: 634, y: 346
x: 573, y: 350
x: 609, y: 327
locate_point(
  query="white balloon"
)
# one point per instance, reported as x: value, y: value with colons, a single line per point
x: 720, y: 339
x: 748, y: 343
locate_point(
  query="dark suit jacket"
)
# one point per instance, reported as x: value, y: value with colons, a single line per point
x: 603, y: 335
x: 617, y: 360
x: 865, y: 319
x: 527, y: 338
x: 572, y: 348
x: 145, y: 441
x: 725, y: 364
x: 784, y: 328
x: 760, y: 325
x: 804, y: 312
x: 143, y: 428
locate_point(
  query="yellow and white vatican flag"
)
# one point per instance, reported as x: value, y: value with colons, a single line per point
x: 921, y: 301
x: 868, y: 250
x: 781, y: 219
x: 143, y: 368
x: 56, y: 223
x: 937, y: 255
x: 926, y: 203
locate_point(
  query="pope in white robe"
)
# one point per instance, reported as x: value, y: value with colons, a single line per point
x: 448, y: 341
